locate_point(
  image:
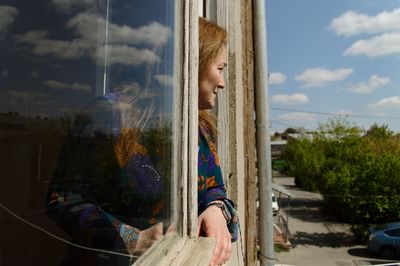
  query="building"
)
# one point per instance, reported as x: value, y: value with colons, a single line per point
x: 58, y: 56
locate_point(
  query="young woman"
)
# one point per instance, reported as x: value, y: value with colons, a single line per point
x: 217, y: 217
x: 107, y: 191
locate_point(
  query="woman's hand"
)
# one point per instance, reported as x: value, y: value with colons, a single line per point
x: 148, y: 237
x: 212, y: 223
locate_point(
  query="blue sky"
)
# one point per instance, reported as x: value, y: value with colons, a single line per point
x: 333, y: 57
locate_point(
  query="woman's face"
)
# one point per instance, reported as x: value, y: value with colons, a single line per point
x: 211, y: 81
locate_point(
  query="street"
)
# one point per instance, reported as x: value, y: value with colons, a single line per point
x: 316, y: 241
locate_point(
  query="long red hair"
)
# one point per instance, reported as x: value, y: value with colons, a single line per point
x: 212, y: 38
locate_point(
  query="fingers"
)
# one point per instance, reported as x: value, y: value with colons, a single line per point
x: 171, y: 231
x: 213, y: 224
x: 222, y: 250
x: 157, y: 232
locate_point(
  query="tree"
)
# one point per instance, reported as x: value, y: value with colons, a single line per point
x: 379, y: 132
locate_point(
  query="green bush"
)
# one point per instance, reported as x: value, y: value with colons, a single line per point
x: 358, y: 175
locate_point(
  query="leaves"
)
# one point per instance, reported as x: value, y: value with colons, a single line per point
x: 358, y: 175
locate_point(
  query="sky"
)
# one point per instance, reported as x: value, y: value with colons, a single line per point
x: 333, y: 58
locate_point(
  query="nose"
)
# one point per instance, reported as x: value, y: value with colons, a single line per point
x: 221, y: 83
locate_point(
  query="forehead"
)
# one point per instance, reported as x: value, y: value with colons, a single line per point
x: 221, y: 55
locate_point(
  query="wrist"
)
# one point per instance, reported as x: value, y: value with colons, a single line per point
x: 221, y: 205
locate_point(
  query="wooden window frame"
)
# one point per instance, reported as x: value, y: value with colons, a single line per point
x: 235, y: 114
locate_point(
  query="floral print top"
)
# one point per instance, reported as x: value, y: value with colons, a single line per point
x: 210, y: 184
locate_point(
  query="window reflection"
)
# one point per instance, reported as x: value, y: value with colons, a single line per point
x: 86, y: 98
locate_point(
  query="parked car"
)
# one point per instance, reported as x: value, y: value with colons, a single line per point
x: 385, y: 240
x: 275, y: 206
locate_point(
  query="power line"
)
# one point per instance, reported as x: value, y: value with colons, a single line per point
x: 288, y: 125
x: 333, y: 114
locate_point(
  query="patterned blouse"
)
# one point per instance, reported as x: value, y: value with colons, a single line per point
x: 210, y: 184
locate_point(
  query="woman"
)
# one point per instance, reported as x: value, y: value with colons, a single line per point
x: 107, y: 191
x: 217, y: 218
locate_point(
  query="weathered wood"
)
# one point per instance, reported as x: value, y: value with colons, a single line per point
x: 193, y: 72
x: 174, y: 250
x: 249, y: 135
x: 178, y: 125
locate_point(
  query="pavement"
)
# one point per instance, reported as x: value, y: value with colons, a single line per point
x: 315, y: 240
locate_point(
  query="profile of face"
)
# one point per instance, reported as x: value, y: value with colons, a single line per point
x: 211, y: 81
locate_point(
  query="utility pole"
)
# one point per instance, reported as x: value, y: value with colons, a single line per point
x: 266, y: 254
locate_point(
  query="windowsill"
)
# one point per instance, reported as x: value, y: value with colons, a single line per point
x: 175, y: 250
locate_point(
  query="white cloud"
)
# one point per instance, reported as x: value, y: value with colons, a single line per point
x: 298, y: 116
x: 290, y: 99
x: 374, y: 83
x: 165, y: 80
x: 390, y: 102
x: 319, y: 77
x: 7, y: 17
x: 67, y: 5
x: 353, y: 23
x: 276, y: 78
x: 66, y: 86
x: 385, y: 44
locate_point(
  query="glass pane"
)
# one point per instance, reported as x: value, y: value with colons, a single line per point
x: 86, y: 107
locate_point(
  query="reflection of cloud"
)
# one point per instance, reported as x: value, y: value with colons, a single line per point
x: 353, y: 23
x: 136, y: 91
x: 61, y: 49
x: 7, y: 17
x: 289, y: 99
x: 319, y: 77
x: 165, y: 80
x: 276, y: 78
x: 34, y: 74
x: 126, y: 55
x: 27, y: 95
x: 390, y: 102
x: 295, y: 116
x: 91, y: 41
x: 66, y: 5
x: 385, y: 44
x: 4, y: 73
x: 370, y: 86
x: 65, y: 86
x: 86, y: 25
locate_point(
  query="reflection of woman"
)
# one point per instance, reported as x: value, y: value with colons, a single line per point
x: 107, y: 191
x: 217, y: 217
